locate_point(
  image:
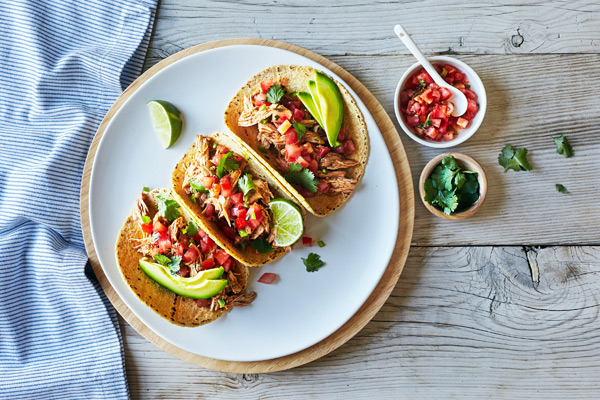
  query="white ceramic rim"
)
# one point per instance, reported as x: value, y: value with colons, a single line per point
x: 465, y: 134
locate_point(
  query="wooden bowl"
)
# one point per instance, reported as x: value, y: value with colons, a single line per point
x: 466, y: 163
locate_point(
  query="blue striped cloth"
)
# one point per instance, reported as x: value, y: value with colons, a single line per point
x: 62, y: 65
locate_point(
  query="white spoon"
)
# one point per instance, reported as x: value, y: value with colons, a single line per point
x: 458, y: 98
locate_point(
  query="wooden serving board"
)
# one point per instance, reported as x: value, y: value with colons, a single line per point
x: 373, y: 303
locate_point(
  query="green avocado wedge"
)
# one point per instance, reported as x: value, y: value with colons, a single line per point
x: 307, y: 100
x: 331, y: 107
x: 202, y: 286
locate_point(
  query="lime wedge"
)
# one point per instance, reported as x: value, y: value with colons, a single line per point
x: 288, y: 222
x: 166, y: 120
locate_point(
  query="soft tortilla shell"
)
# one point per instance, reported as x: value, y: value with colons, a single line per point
x: 319, y: 205
x: 177, y: 309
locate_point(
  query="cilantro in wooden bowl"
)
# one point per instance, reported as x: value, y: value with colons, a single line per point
x: 453, y: 186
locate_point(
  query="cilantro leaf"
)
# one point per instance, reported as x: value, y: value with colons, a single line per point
x: 274, y: 94
x: 262, y: 246
x: 164, y: 260
x: 146, y: 219
x: 430, y: 191
x: 515, y: 159
x: 302, y: 176
x: 299, y: 128
x: 561, y: 188
x: 425, y: 124
x: 192, y: 228
x: 246, y: 184
x: 174, y: 264
x: 450, y: 163
x: 146, y: 189
x: 313, y: 262
x: 442, y: 177
x: 167, y: 207
x: 197, y: 188
x: 227, y: 163
x: 563, y: 146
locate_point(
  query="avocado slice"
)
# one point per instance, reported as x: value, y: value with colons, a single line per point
x: 202, y: 286
x: 307, y: 100
x: 331, y: 106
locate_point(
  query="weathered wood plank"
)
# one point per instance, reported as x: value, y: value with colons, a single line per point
x: 352, y: 27
x: 462, y: 323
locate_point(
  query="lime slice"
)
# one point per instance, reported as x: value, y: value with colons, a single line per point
x: 288, y: 222
x: 166, y: 120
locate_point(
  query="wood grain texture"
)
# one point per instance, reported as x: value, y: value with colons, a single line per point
x: 466, y: 323
x: 346, y: 27
x: 379, y: 294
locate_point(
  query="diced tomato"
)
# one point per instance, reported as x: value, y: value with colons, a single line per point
x: 449, y: 78
x: 445, y: 94
x: 449, y: 109
x: 431, y: 132
x: 470, y: 95
x: 227, y: 230
x: 413, y: 108
x: 443, y: 126
x: 164, y: 243
x: 304, y: 192
x: 300, y: 160
x: 159, y: 227
x: 436, y: 95
x: 203, y: 303
x: 238, y: 209
x: 198, y: 236
x: 147, y: 228
x: 208, y: 263
x: 449, y: 68
x: 425, y: 77
x: 448, y: 137
x: 265, y: 85
x: 184, y: 271
x: 471, y: 105
x: 280, y: 116
x: 227, y: 264
x: 291, y: 137
x: 343, y: 134
x: 413, y: 120
x: 261, y: 99
x: 241, y: 222
x: 427, y: 96
x: 237, y: 198
x: 206, y: 244
x: 226, y: 186
x: 313, y: 166
x: 298, y: 115
x: 220, y: 256
x: 347, y: 147
x: 436, y: 122
x: 459, y: 76
x: 208, y: 181
x: 180, y: 249
x: 216, y: 189
x: 190, y: 255
x: 322, y: 187
x: 292, y: 151
x: 307, y: 241
x: 253, y: 223
x: 268, y: 278
x: 322, y: 151
x: 256, y: 212
x: 238, y: 157
x: 462, y: 122
x: 209, y: 210
x: 439, y: 111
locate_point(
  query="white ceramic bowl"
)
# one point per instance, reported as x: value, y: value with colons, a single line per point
x: 476, y: 86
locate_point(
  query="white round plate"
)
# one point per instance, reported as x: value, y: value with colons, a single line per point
x: 301, y: 308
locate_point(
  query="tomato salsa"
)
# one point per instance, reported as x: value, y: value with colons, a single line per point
x: 425, y: 106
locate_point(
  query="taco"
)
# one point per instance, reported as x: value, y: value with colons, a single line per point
x: 232, y: 195
x: 275, y: 116
x: 161, y: 237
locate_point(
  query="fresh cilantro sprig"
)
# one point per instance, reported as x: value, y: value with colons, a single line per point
x: 302, y: 176
x: 563, y: 146
x: 274, y: 94
x: 167, y: 207
x: 262, y: 246
x: 191, y: 229
x: 561, y: 188
x: 420, y: 88
x: 425, y: 124
x: 299, y: 128
x: 451, y: 188
x: 197, y: 188
x: 172, y: 263
x: 313, y: 262
x: 515, y: 159
x: 246, y: 184
x: 227, y: 163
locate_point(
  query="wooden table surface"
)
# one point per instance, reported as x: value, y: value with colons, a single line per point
x: 504, y: 304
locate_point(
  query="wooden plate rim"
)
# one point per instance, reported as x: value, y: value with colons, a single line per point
x: 375, y: 300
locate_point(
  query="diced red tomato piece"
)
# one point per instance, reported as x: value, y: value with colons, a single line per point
x: 227, y: 230
x: 227, y: 264
x: 237, y: 198
x: 413, y: 120
x: 208, y: 263
x: 313, y: 166
x: 439, y: 111
x: 322, y: 151
x: 300, y: 160
x: 462, y: 122
x: 208, y: 181
x: 471, y: 105
x: 206, y: 244
x: 280, y: 116
x: 291, y: 137
x: 253, y: 223
x: 322, y: 187
x: 449, y: 109
x: 448, y: 137
x: 436, y: 95
x: 265, y: 85
x: 147, y: 228
x: 304, y: 192
x: 261, y: 99
x: 203, y: 303
x: 347, y: 147
x: 180, y: 249
x: 238, y: 209
x: 413, y: 108
x: 343, y: 134
x: 298, y: 115
x: 190, y: 255
x: 164, y: 243
x: 241, y: 223
x: 459, y: 76
x: 293, y: 151
x: 425, y: 77
x: 238, y: 157
x: 445, y: 94
x: 220, y: 256
x: 256, y: 212
x: 436, y: 122
x: 159, y: 227
x: 443, y: 126
x: 209, y: 210
x: 427, y: 96
x: 307, y: 241
x: 226, y: 186
x: 449, y: 68
x: 449, y: 78
x: 431, y: 132
x: 268, y: 278
x: 184, y: 271
x: 470, y: 94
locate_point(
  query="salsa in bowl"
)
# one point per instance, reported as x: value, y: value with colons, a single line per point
x: 423, y: 108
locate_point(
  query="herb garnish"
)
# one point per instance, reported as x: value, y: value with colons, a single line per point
x: 302, y: 176
x: 313, y: 262
x: 299, y: 128
x: 425, y: 124
x: 321, y: 243
x: 274, y: 94
x: 451, y: 188
x: 167, y: 207
x: 172, y: 263
x: 192, y: 228
x: 262, y: 246
x: 146, y: 189
x: 563, y: 146
x: 227, y: 163
x: 246, y: 184
x: 515, y: 159
x: 197, y: 188
x: 422, y: 86
x: 561, y: 188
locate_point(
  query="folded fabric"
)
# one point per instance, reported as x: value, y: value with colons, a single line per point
x: 62, y: 65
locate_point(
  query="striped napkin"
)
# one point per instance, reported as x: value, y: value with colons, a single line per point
x: 62, y: 64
